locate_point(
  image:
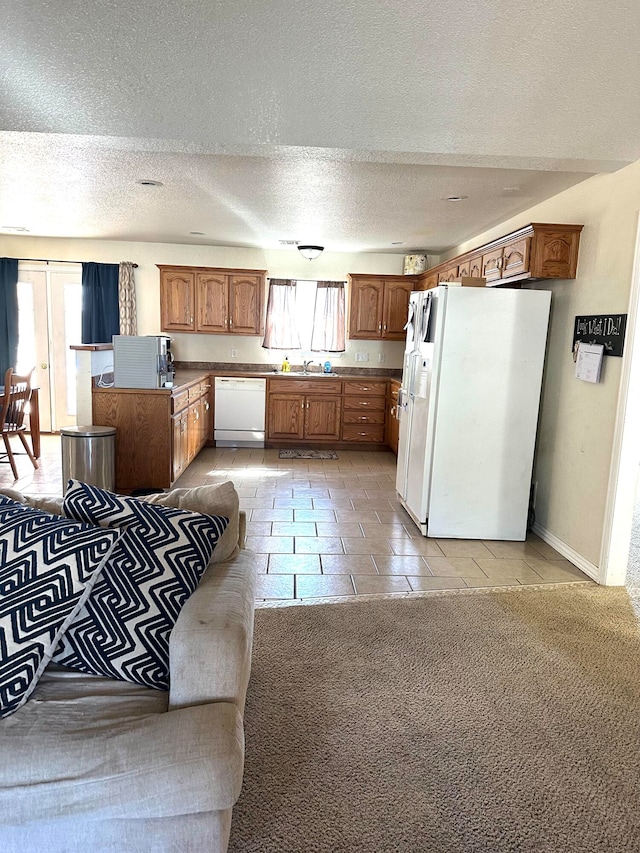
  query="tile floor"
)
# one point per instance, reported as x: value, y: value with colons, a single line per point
x: 326, y: 528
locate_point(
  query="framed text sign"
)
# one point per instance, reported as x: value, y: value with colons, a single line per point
x: 605, y: 329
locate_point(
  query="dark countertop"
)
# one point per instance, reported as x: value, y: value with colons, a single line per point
x: 197, y: 369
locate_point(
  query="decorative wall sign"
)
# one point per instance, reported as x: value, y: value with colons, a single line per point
x: 605, y: 329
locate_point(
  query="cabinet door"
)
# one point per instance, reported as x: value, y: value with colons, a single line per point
x: 213, y: 302
x: 395, y: 310
x: 429, y: 282
x: 449, y: 274
x: 322, y: 417
x: 285, y: 416
x: 475, y: 267
x: 245, y: 304
x: 179, y: 444
x: 516, y: 257
x: 177, y: 301
x: 365, y: 316
x: 207, y: 416
x: 492, y: 265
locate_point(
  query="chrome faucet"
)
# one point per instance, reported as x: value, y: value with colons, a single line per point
x: 305, y: 365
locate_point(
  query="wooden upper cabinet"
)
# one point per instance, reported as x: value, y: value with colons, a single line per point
x: 213, y: 302
x: 536, y: 252
x: 475, y: 267
x: 365, y: 316
x: 515, y: 257
x: 216, y: 301
x: 378, y: 306
x: 448, y: 274
x: 395, y: 310
x: 245, y: 304
x: 177, y: 301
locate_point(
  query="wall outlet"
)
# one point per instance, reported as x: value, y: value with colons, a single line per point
x: 362, y: 356
x: 234, y: 353
x: 380, y: 357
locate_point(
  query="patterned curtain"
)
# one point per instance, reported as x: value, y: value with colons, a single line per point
x: 329, y: 318
x: 281, y: 331
x: 127, y: 299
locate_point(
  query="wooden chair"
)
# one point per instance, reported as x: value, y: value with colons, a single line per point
x: 17, y: 394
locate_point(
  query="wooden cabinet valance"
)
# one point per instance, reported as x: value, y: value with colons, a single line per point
x: 536, y: 252
x: 213, y: 300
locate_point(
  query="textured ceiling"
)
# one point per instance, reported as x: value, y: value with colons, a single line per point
x: 342, y: 123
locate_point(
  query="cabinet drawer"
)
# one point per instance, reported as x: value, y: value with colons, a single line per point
x: 180, y: 401
x: 366, y: 432
x: 354, y: 416
x: 366, y: 404
x: 306, y: 386
x: 352, y: 386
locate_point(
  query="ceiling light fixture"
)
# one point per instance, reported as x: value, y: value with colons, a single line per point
x: 147, y: 182
x: 310, y: 252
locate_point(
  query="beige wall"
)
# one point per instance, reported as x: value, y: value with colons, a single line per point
x: 331, y: 266
x: 577, y: 419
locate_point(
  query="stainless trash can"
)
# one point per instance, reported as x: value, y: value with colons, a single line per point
x: 88, y: 455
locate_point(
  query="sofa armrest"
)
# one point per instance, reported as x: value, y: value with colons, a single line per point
x: 210, y: 644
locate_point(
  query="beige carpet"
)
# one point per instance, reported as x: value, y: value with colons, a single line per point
x: 488, y: 722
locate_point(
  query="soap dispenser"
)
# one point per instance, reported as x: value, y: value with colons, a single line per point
x: 286, y: 367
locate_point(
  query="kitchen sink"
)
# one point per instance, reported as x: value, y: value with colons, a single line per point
x: 298, y: 373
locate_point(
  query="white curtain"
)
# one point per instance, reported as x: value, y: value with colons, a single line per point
x: 127, y: 299
x: 329, y: 317
x: 280, y: 326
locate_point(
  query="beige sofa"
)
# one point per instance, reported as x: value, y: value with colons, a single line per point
x: 94, y: 764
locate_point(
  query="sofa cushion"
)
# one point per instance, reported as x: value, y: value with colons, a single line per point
x: 212, y: 499
x: 48, y: 566
x: 123, y: 629
x: 92, y: 747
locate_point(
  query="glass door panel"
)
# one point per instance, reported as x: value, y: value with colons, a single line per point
x: 49, y: 320
x: 33, y: 337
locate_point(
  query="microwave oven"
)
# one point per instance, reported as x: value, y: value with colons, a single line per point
x: 142, y: 361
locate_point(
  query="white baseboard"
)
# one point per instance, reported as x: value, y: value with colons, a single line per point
x: 562, y: 548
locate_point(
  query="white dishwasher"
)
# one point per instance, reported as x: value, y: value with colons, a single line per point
x: 239, y: 419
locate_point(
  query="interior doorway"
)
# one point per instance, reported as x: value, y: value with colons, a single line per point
x: 49, y: 321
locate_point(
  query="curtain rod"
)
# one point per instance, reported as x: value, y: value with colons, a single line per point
x: 53, y: 261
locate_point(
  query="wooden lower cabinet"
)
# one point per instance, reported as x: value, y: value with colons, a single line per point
x: 392, y: 421
x: 315, y: 417
x: 158, y: 432
x: 364, y: 411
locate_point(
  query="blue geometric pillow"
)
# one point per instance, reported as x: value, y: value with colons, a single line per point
x: 48, y: 566
x: 123, y: 629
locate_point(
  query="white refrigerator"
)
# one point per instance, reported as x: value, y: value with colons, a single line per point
x: 468, y: 405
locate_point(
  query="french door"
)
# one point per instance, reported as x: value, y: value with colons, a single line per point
x: 49, y: 322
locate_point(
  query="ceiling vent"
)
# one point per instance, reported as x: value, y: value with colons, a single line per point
x: 288, y: 242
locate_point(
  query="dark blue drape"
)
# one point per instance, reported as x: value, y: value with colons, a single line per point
x: 8, y: 314
x: 100, y: 314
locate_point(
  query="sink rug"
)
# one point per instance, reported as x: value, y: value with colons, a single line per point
x: 308, y: 454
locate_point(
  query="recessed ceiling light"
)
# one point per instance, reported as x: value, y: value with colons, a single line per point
x: 20, y: 228
x: 147, y: 182
x: 197, y: 233
x: 456, y: 197
x: 399, y: 243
